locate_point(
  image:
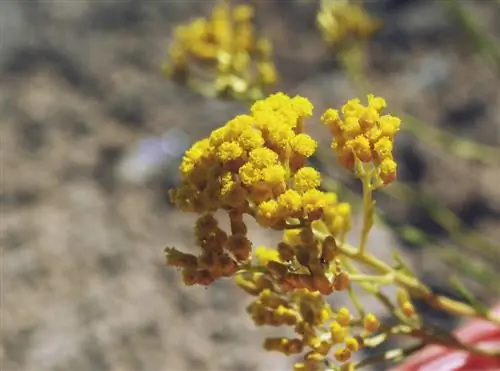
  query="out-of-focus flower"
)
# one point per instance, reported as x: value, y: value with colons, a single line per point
x: 344, y: 22
x: 221, y: 55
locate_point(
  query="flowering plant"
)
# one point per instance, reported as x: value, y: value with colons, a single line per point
x: 256, y: 166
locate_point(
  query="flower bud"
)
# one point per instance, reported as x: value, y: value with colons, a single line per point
x: 286, y: 252
x: 371, y: 323
x: 329, y: 249
x: 341, y: 281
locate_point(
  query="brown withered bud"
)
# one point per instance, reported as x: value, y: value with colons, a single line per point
x: 307, y: 236
x: 292, y: 282
x: 205, y: 224
x: 238, y: 226
x: 303, y: 255
x: 341, y: 281
x: 323, y: 285
x: 287, y: 286
x: 189, y: 276
x: 207, y: 260
x: 176, y: 258
x: 228, y: 265
x: 316, y: 268
x: 286, y: 252
x: 329, y: 249
x: 307, y: 311
x: 307, y: 282
x: 213, y: 241
x: 240, y: 246
x: 305, y: 329
x: 204, y: 277
x: 278, y: 270
x: 294, y: 346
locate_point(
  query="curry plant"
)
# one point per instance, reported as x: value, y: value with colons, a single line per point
x: 255, y: 166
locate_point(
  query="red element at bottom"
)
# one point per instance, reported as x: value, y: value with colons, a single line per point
x: 478, y: 333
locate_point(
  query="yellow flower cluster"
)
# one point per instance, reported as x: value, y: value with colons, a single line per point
x: 320, y: 332
x: 301, y: 271
x: 344, y: 21
x: 256, y: 164
x: 225, y: 48
x: 365, y: 135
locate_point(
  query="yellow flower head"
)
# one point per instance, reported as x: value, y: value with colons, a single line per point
x: 223, y: 46
x: 364, y: 135
x: 228, y: 151
x: 302, y: 106
x: 263, y: 157
x: 274, y: 174
x: 304, y: 145
x: 290, y: 202
x: 268, y: 213
x: 194, y: 156
x: 387, y: 170
x: 313, y: 202
x: 342, y: 22
x: 305, y: 179
x: 249, y: 174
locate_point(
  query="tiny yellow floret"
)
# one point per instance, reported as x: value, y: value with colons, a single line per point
x: 229, y: 151
x: 302, y: 106
x: 274, y: 174
x: 263, y: 157
x: 304, y: 145
x: 268, y: 213
x: 371, y: 323
x: 306, y: 178
x: 290, y: 201
x: 337, y: 332
x: 344, y: 317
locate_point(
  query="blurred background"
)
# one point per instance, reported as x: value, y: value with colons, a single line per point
x: 91, y: 134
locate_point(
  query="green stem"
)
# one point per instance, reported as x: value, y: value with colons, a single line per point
x: 373, y: 289
x: 368, y: 208
x: 475, y: 268
x: 414, y: 286
x: 484, y: 45
x: 386, y: 279
x: 355, y: 301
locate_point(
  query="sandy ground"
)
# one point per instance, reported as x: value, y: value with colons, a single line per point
x: 84, y: 285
